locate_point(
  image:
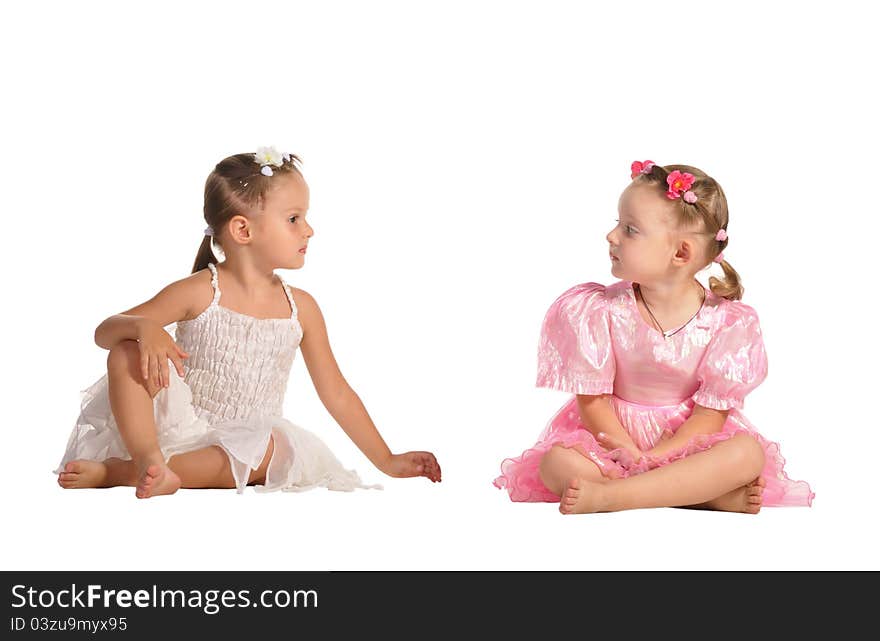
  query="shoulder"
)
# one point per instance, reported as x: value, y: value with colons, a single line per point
x: 301, y: 297
x: 581, y: 290
x: 736, y: 313
x: 181, y: 300
x: 196, y: 289
x: 594, y: 295
x: 306, y: 305
x: 581, y: 303
x: 193, y: 291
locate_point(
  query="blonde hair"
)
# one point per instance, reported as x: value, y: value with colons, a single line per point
x: 709, y: 213
x: 235, y: 186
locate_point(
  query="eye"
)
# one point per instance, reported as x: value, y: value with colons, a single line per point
x: 628, y: 229
x: 293, y: 219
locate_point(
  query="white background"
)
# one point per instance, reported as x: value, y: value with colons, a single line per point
x: 465, y: 161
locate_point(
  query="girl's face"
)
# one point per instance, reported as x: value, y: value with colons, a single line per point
x: 281, y: 232
x: 643, y: 246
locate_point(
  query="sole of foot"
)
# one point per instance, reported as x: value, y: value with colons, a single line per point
x: 157, y: 480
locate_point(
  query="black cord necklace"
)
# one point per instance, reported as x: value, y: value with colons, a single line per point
x: 656, y: 322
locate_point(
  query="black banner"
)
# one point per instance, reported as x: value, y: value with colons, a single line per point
x: 262, y: 603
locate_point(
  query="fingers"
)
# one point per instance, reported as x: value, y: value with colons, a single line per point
x: 428, y: 466
x: 606, y: 441
x: 178, y: 365
x: 155, y: 370
x: 177, y: 358
x: 145, y: 364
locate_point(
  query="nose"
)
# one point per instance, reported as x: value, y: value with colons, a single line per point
x: 309, y: 231
x: 610, y: 237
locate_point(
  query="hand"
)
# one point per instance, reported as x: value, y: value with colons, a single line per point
x: 612, y: 443
x: 412, y: 464
x: 157, y: 346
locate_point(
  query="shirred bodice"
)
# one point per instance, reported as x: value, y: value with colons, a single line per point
x: 238, y: 365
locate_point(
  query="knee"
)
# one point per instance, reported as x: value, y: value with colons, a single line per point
x: 123, y: 355
x: 748, y: 455
x: 124, y: 360
x: 552, y: 461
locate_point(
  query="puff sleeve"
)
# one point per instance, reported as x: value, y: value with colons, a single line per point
x: 574, y: 353
x: 735, y: 362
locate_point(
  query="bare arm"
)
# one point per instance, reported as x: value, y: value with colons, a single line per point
x: 345, y: 406
x: 334, y: 391
x: 145, y: 322
x: 597, y: 416
x: 703, y: 420
x: 170, y: 305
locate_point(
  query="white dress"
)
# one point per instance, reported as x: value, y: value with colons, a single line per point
x: 231, y: 396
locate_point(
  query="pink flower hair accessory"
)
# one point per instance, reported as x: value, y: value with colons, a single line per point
x: 639, y: 167
x: 680, y: 186
x: 719, y: 257
x: 679, y: 182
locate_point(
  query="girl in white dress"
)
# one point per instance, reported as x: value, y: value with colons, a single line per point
x: 204, y: 410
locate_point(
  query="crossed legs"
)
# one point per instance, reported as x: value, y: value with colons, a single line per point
x: 725, y: 477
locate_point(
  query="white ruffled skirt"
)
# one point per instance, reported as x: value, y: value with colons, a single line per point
x: 300, y: 461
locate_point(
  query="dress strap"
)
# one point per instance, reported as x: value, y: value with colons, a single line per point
x: 289, y: 298
x: 214, y: 283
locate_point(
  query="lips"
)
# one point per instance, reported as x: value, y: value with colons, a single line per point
x: 302, y: 250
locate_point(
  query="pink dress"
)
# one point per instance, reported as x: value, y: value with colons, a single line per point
x: 595, y: 341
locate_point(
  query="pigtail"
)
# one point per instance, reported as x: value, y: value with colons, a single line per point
x: 204, y: 256
x: 729, y: 287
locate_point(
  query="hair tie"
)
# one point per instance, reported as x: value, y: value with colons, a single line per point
x: 720, y: 236
x: 209, y: 231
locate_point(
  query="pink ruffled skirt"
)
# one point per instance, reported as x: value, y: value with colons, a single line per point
x: 646, y: 425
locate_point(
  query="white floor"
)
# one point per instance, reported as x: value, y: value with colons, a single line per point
x: 411, y: 525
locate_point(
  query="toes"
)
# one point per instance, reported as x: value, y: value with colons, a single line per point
x: 73, y: 466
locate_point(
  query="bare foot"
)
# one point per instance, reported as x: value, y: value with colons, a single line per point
x: 582, y: 497
x: 79, y: 474
x: 157, y: 480
x: 747, y: 499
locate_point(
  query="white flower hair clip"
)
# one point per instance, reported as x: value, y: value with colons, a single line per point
x: 268, y: 156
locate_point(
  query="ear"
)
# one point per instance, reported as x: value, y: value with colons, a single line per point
x: 685, y: 252
x: 239, y: 229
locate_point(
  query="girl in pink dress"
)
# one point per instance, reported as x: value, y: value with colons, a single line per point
x: 659, y: 367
